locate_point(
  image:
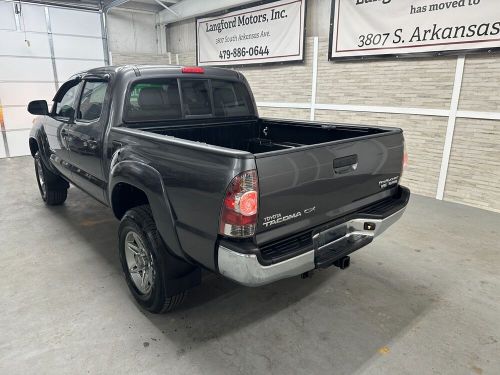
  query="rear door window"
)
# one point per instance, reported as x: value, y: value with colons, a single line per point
x: 154, y: 100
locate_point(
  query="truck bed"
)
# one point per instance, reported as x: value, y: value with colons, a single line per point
x: 309, y: 173
x: 265, y: 135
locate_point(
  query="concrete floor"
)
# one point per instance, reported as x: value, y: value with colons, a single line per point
x: 423, y: 299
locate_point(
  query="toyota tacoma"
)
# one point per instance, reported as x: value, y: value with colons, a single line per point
x: 200, y: 181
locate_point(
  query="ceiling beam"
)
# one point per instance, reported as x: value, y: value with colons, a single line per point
x: 167, y: 8
x: 194, y: 8
x: 114, y: 3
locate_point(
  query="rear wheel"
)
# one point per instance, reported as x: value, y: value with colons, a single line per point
x: 53, y: 188
x: 143, y: 256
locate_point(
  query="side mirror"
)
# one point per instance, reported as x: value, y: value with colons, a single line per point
x: 38, y: 107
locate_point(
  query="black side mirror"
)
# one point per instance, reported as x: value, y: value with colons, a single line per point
x: 38, y: 107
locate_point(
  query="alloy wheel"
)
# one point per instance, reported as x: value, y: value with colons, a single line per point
x: 140, y: 263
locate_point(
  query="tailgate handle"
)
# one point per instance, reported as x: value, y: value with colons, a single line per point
x: 345, y: 164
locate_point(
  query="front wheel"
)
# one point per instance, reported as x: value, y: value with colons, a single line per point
x: 53, y: 189
x: 143, y: 257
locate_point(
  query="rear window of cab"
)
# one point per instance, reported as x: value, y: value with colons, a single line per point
x: 173, y: 99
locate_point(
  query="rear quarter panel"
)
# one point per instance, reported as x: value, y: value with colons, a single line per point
x: 195, y: 179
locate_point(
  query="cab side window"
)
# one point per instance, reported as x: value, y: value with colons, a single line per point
x: 92, y: 100
x: 66, y: 106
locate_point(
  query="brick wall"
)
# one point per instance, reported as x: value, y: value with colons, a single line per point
x: 140, y: 58
x: 187, y: 58
x: 287, y: 113
x: 474, y: 170
x: 415, y: 83
x: 481, y: 84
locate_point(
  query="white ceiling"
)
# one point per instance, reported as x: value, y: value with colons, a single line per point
x: 146, y: 5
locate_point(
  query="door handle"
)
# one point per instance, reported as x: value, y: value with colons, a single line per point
x: 345, y: 164
x: 92, y: 143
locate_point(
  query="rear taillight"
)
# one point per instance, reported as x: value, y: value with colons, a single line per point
x: 239, y: 208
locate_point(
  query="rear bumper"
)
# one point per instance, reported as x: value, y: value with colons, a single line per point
x: 246, y: 268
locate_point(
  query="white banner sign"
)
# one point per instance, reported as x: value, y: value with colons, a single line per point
x: 381, y: 27
x: 270, y: 32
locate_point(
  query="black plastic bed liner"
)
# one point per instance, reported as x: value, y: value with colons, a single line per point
x: 263, y: 135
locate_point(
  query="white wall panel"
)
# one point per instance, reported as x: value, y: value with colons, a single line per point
x: 17, y: 93
x: 132, y: 32
x: 2, y: 148
x: 33, y: 18
x: 78, y: 47
x: 13, y: 43
x: 66, y: 68
x: 7, y: 20
x: 17, y: 118
x: 18, y: 142
x: 25, y: 69
x: 121, y: 33
x: 181, y: 36
x: 70, y: 21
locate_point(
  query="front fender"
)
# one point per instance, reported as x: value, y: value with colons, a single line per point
x: 38, y: 134
x: 148, y: 179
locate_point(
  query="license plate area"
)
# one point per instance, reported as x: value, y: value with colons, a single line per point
x: 333, y: 243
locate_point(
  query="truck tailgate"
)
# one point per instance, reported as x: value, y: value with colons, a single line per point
x: 308, y: 186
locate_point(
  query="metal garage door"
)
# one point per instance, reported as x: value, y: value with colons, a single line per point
x: 40, y: 47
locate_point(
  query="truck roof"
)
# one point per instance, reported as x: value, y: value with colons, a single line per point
x: 149, y: 69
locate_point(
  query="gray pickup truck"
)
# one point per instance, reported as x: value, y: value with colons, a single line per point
x: 200, y: 181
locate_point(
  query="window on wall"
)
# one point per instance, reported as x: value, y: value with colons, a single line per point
x: 92, y: 100
x: 66, y: 106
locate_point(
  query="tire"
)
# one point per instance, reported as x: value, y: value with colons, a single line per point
x: 143, y: 256
x: 53, y: 189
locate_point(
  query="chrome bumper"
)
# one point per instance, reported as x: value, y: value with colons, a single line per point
x: 247, y: 270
